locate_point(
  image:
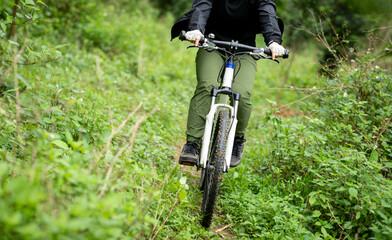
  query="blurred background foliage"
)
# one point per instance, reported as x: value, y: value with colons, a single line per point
x: 80, y: 158
x: 356, y: 16
x: 346, y: 21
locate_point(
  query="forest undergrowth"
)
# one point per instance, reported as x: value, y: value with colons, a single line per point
x: 93, y: 104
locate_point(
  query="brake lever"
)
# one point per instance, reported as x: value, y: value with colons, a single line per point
x: 208, y: 47
x: 270, y: 58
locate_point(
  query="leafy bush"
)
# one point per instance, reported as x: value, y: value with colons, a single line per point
x: 67, y: 168
x: 341, y: 151
x: 349, y: 18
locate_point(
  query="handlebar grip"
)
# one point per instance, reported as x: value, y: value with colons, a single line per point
x: 183, y: 38
x: 268, y: 51
x: 182, y: 35
x: 286, y: 53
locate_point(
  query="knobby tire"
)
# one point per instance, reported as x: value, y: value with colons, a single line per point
x: 214, y: 169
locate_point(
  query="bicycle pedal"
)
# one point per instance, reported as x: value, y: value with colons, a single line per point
x: 187, y: 163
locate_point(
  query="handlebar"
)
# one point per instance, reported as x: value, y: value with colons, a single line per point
x: 261, y: 52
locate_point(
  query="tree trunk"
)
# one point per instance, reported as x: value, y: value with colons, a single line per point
x: 13, y: 25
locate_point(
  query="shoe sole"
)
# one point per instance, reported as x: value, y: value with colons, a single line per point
x: 188, y: 161
x: 235, y: 164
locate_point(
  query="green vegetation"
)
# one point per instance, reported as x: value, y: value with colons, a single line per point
x: 93, y: 103
x: 326, y: 174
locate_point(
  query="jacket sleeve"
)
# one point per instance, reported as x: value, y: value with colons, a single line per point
x: 200, y: 12
x: 268, y: 21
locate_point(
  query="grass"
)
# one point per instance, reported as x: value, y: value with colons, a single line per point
x: 76, y: 163
x: 70, y: 112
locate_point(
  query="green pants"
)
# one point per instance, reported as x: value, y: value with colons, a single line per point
x: 208, y: 68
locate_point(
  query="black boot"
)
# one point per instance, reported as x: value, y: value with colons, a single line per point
x: 238, y: 149
x: 189, y: 154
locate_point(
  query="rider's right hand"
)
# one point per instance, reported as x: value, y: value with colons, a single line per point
x: 276, y: 49
x: 194, y: 36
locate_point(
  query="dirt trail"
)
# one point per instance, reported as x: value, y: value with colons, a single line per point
x: 222, y: 231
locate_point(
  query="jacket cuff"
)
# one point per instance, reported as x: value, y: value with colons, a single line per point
x: 273, y: 39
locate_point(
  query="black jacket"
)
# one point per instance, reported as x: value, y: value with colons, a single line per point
x: 233, y: 20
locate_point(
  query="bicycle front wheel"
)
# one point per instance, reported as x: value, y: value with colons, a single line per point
x: 214, y: 169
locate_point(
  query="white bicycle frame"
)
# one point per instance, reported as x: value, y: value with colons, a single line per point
x: 227, y: 84
x: 228, y: 77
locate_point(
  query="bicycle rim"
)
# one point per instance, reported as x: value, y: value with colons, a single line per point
x: 214, y: 168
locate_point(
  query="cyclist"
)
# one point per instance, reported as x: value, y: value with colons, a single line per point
x: 228, y: 20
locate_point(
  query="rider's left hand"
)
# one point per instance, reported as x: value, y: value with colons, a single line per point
x: 276, y: 49
x: 194, y: 36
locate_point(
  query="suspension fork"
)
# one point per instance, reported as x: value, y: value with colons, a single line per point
x: 210, y: 121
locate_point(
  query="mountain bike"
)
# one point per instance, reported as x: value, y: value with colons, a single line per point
x: 221, y: 121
